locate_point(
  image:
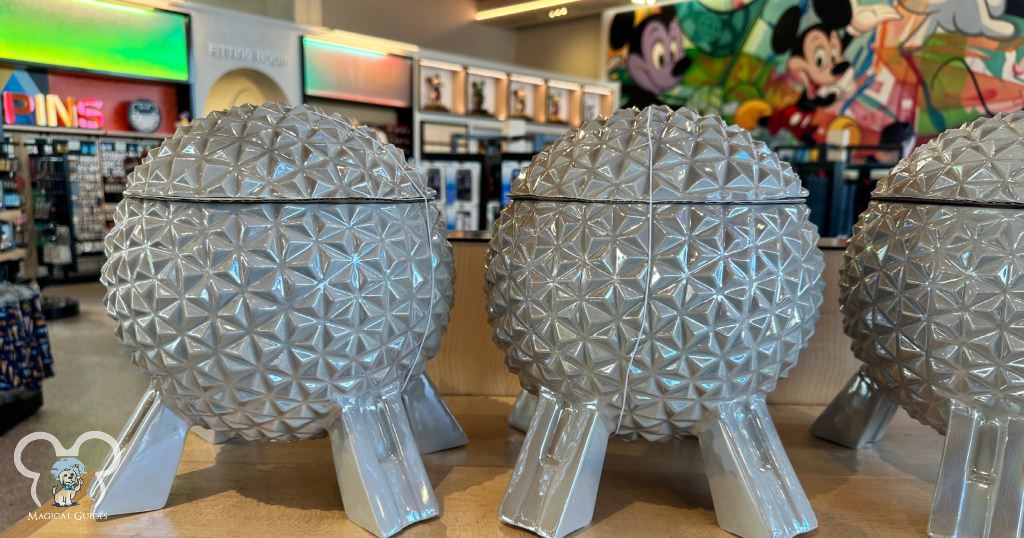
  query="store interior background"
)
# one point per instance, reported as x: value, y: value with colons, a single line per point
x: 906, y: 78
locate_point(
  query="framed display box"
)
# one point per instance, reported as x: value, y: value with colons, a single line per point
x: 563, y: 103
x: 596, y: 101
x: 442, y: 87
x: 482, y: 89
x: 523, y: 95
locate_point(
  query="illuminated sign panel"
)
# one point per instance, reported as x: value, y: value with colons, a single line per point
x: 48, y: 110
x: 352, y: 74
x: 96, y: 35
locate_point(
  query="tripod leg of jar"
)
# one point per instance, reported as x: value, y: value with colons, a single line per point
x: 753, y: 485
x: 980, y: 489
x: 213, y: 437
x: 433, y: 424
x: 554, y: 483
x: 383, y: 483
x: 858, y: 416
x: 523, y: 410
x: 138, y: 477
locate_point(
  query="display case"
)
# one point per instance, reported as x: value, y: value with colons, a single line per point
x: 485, y: 91
x: 462, y: 101
x: 596, y: 101
x: 524, y: 94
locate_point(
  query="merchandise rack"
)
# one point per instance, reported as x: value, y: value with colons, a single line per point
x: 78, y: 196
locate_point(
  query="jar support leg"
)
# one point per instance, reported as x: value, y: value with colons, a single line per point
x: 554, y: 483
x: 212, y: 436
x: 150, y: 449
x: 980, y: 489
x: 433, y: 424
x: 383, y: 483
x: 858, y: 416
x: 523, y: 410
x: 755, y: 490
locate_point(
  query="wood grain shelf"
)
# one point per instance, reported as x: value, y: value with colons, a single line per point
x: 12, y: 215
x: 13, y: 255
x: 275, y: 489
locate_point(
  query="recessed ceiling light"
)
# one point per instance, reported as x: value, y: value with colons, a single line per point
x: 522, y: 7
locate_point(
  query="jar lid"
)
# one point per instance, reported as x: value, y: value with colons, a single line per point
x: 980, y: 162
x: 661, y: 155
x: 275, y: 152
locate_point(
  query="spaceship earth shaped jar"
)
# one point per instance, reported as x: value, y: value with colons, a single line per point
x: 653, y: 276
x: 281, y: 274
x: 932, y: 296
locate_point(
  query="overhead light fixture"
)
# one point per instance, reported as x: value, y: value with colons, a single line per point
x: 440, y: 65
x: 563, y: 85
x: 522, y: 7
x: 486, y: 72
x: 597, y: 89
x: 558, y: 12
x: 346, y: 48
x: 536, y: 81
x: 116, y: 5
x: 364, y: 44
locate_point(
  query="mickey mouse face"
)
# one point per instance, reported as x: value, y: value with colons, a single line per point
x: 822, y: 62
x: 661, y: 61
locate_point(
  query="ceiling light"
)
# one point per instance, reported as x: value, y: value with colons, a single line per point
x: 563, y: 85
x: 536, y: 81
x: 424, y: 62
x: 486, y: 72
x: 558, y: 12
x: 522, y: 7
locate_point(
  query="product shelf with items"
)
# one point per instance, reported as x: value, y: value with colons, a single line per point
x: 25, y: 357
x: 839, y: 180
x: 75, y: 184
x: 478, y: 99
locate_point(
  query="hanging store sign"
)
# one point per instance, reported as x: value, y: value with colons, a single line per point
x: 96, y: 35
x: 48, y: 98
x: 347, y: 73
x: 49, y: 110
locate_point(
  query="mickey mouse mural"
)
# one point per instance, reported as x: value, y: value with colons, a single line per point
x: 816, y: 41
x: 657, y: 54
x: 820, y: 68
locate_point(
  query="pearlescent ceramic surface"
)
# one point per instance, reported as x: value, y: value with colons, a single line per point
x: 259, y: 317
x: 275, y: 152
x: 982, y: 161
x: 662, y: 154
x: 931, y: 292
x: 734, y: 294
x: 932, y: 297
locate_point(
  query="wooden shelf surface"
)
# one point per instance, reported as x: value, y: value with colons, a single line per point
x: 13, y: 255
x: 241, y: 489
x: 12, y: 215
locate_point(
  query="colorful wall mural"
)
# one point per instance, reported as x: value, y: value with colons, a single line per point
x: 827, y: 70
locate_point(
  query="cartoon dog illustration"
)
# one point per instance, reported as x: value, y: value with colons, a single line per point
x: 70, y: 481
x: 657, y: 59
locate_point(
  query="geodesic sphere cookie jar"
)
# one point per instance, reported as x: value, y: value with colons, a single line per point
x: 280, y: 274
x: 653, y: 276
x: 931, y: 291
